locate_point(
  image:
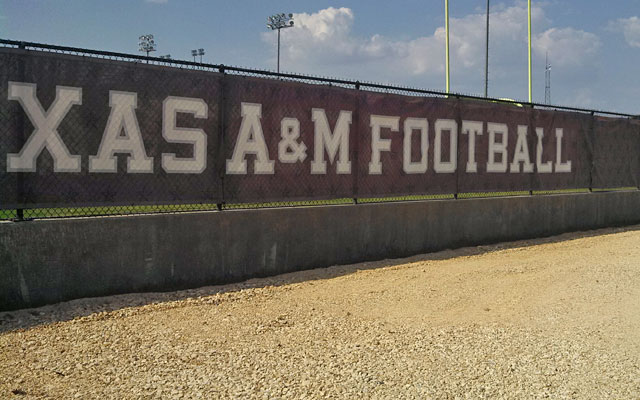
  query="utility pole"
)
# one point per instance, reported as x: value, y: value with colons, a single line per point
x: 547, y: 80
x: 486, y: 58
x: 147, y: 44
x: 279, y: 21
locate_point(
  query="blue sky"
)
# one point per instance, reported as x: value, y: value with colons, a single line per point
x: 593, y: 46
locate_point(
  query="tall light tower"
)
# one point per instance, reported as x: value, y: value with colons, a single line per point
x: 547, y: 81
x: 280, y: 21
x: 147, y: 44
x: 195, y: 53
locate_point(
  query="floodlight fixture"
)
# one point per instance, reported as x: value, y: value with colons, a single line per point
x: 279, y: 21
x: 147, y: 43
x: 198, y: 52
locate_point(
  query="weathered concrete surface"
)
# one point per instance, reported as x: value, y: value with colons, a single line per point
x: 48, y: 261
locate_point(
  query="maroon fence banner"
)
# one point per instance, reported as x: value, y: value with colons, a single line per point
x: 616, y: 149
x: 406, y: 145
x: 287, y: 140
x: 87, y: 131
x: 506, y: 147
x: 76, y: 131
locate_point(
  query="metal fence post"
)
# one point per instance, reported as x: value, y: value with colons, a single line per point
x: 222, y: 126
x: 356, y: 156
x: 533, y: 130
x: 21, y: 141
x: 458, y: 112
x: 592, y: 140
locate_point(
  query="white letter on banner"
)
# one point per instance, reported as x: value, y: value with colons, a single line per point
x: 548, y: 166
x: 442, y: 167
x: 324, y: 139
x: 472, y: 128
x: 45, y: 134
x: 250, y: 141
x: 195, y: 137
x: 411, y: 124
x: 521, y: 154
x: 289, y: 149
x: 560, y: 166
x: 122, y: 135
x: 497, y: 147
x: 378, y: 144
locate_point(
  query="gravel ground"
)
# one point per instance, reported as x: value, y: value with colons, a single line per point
x: 552, y: 318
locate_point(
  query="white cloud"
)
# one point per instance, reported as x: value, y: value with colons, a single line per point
x: 567, y: 46
x: 157, y: 1
x: 630, y: 27
x: 324, y: 40
x: 584, y: 97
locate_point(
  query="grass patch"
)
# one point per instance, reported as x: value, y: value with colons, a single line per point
x: 240, y: 206
x: 62, y: 212
x: 619, y: 189
x: 492, y: 194
x: 8, y: 214
x: 405, y: 198
x: 559, y: 191
x: 104, y: 211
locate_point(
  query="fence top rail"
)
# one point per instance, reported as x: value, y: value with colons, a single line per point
x: 356, y: 83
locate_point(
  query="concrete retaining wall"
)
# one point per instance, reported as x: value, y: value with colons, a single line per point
x: 48, y: 261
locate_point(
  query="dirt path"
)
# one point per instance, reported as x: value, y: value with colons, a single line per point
x: 556, y: 318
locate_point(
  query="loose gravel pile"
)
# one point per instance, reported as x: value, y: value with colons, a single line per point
x: 554, y: 318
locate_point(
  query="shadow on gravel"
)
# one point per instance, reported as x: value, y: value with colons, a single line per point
x: 27, y: 318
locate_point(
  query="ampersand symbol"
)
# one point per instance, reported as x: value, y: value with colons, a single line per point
x: 289, y: 149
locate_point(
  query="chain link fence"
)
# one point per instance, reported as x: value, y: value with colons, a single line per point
x: 92, y: 133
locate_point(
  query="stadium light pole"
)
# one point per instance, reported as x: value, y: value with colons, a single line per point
x: 529, y: 26
x: 279, y: 21
x: 446, y: 28
x: 147, y: 44
x: 195, y: 53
